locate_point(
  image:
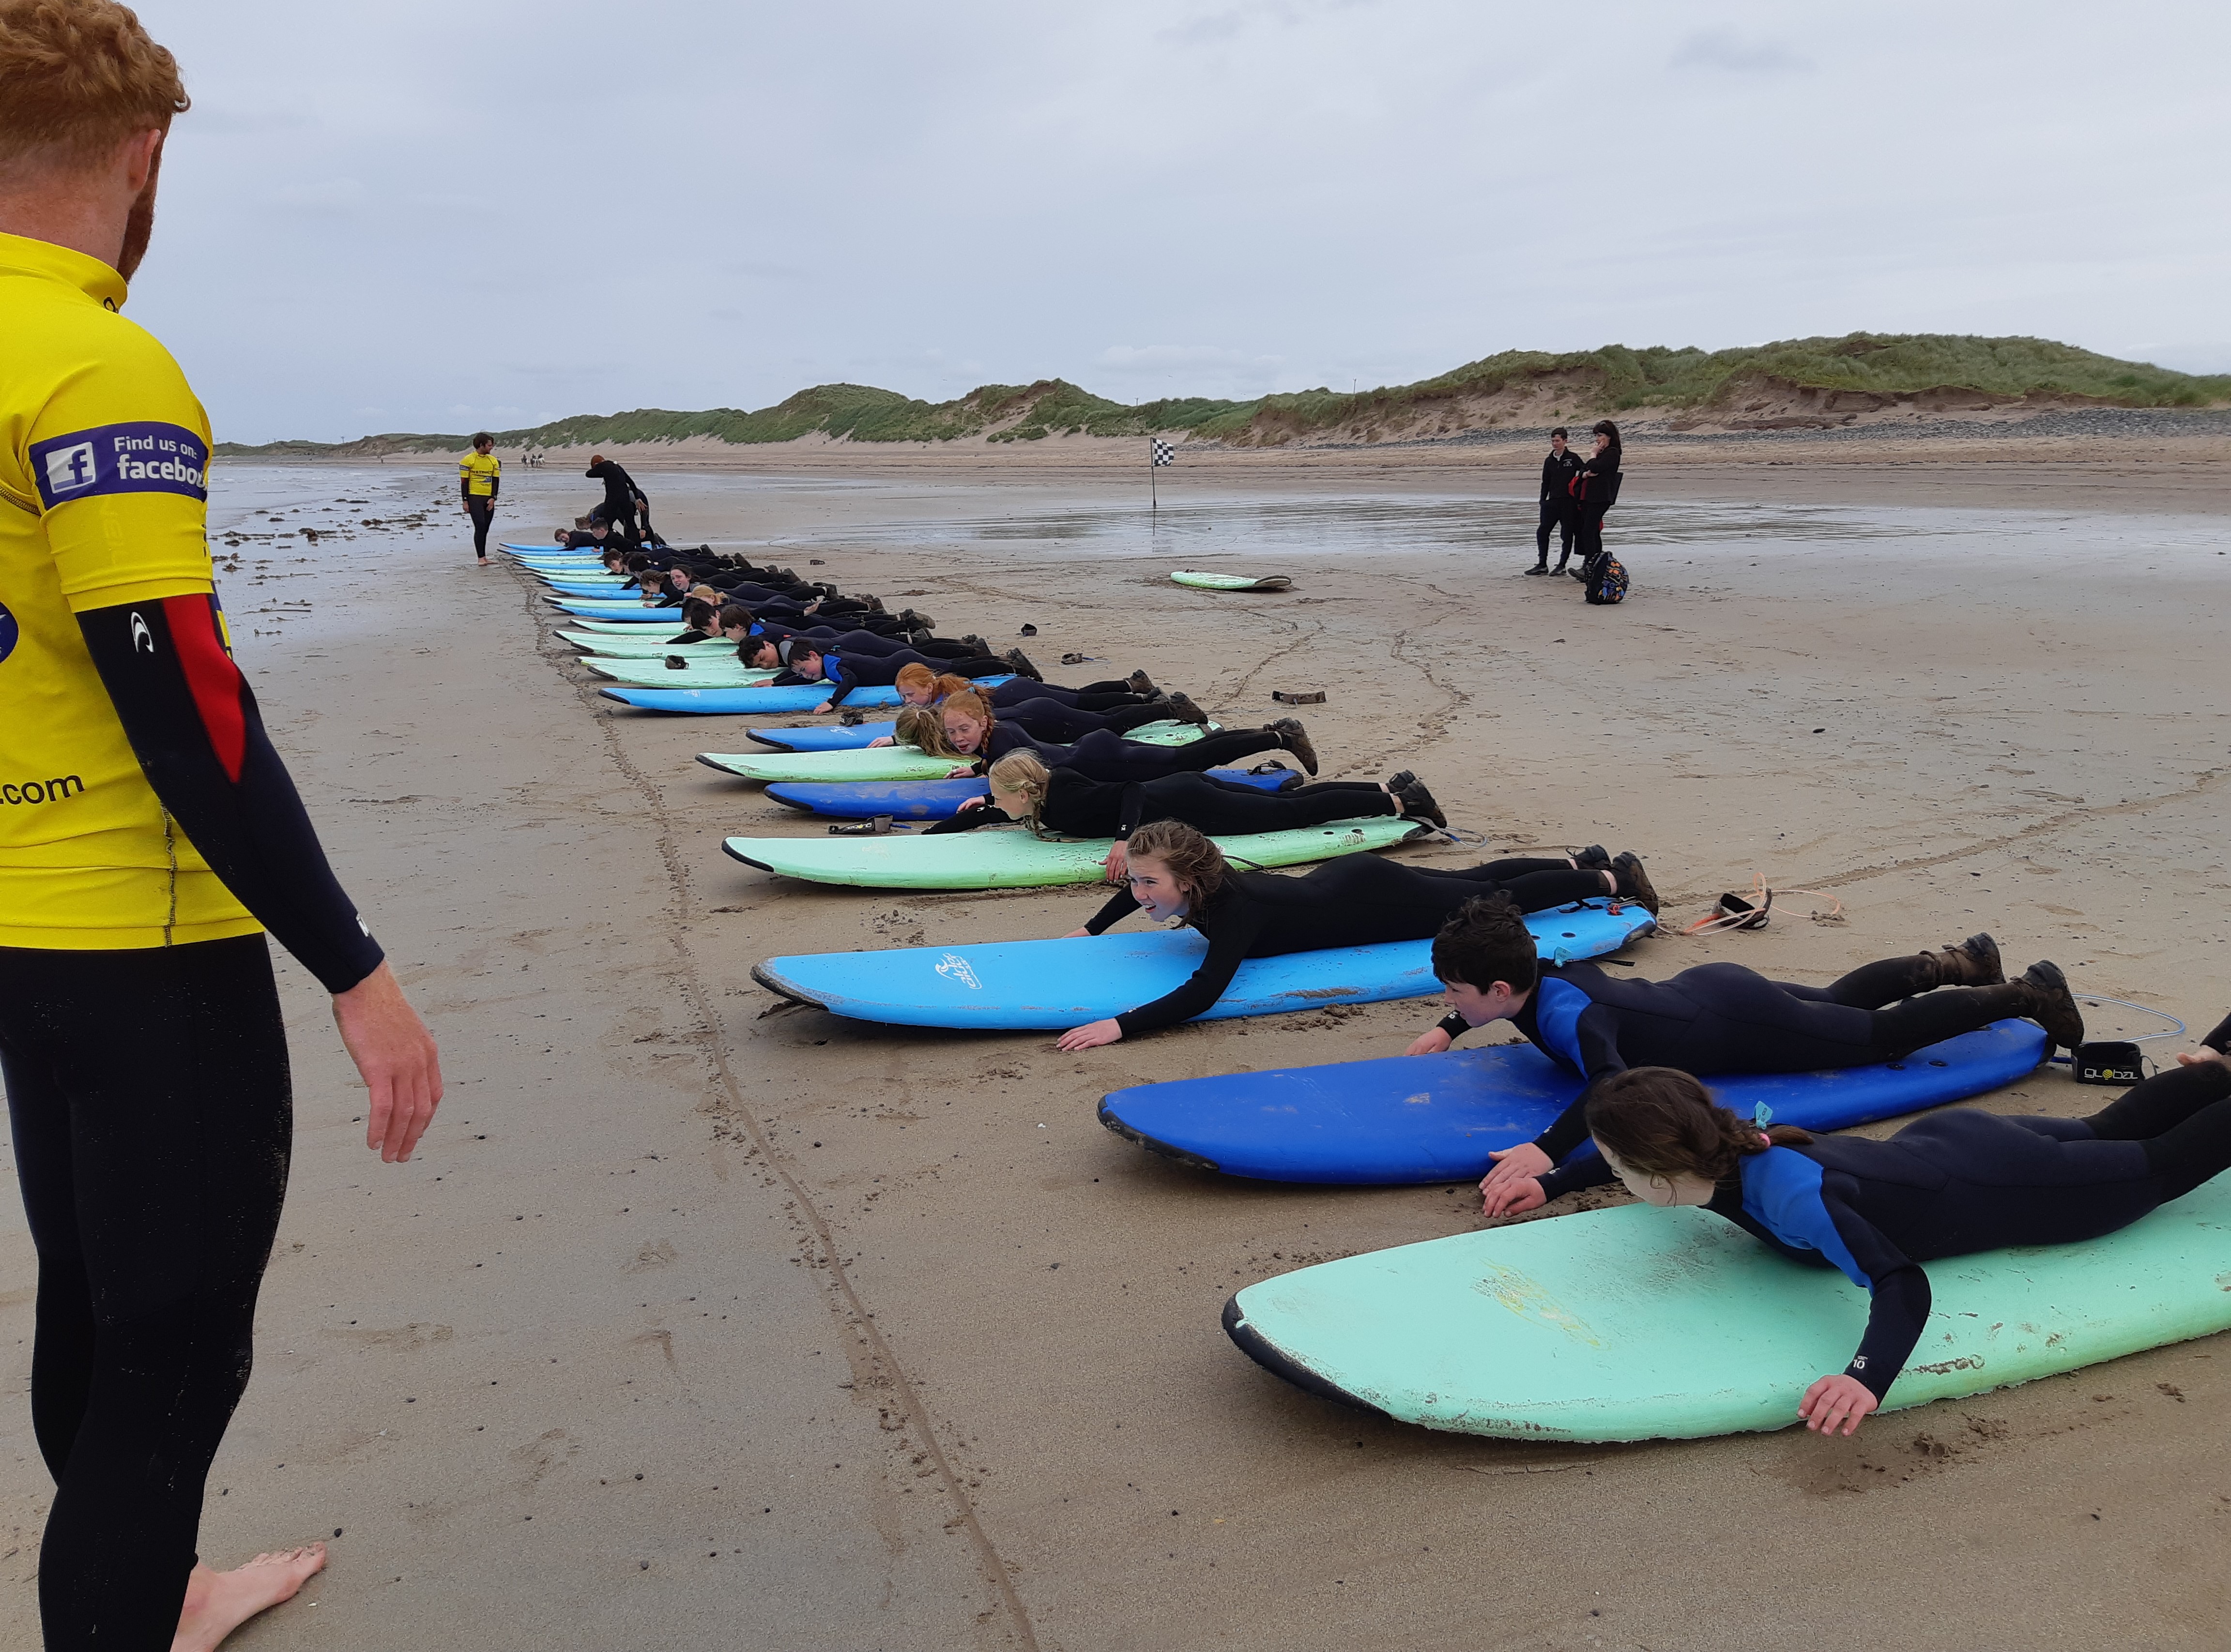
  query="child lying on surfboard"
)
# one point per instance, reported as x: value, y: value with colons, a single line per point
x: 1355, y: 900
x: 1950, y: 1185
x: 1712, y: 1018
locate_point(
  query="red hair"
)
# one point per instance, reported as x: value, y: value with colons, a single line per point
x: 82, y: 76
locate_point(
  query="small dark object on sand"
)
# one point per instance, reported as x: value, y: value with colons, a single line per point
x: 1285, y: 699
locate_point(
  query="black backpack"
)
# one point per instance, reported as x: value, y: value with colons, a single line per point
x: 1604, y: 579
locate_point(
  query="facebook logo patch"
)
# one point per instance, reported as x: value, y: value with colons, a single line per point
x: 144, y: 456
x: 69, y: 470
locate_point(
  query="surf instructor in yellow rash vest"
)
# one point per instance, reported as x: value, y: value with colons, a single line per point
x: 150, y: 836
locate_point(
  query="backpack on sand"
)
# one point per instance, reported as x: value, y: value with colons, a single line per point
x: 1604, y: 579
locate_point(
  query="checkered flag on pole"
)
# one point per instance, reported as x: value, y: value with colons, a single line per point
x: 1163, y: 453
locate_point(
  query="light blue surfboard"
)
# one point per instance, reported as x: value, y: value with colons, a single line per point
x: 1066, y: 983
x: 802, y: 697
x: 1437, y: 1118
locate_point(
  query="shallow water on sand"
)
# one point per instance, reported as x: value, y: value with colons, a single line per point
x: 1278, y: 522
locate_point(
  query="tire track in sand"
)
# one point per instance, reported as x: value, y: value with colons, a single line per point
x: 850, y: 1308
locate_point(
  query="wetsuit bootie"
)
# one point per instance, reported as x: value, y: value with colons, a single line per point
x: 1021, y: 661
x: 1415, y: 803
x: 972, y: 641
x: 1296, y: 739
x: 1539, y: 568
x: 1400, y: 779
x: 1595, y: 858
x: 1182, y: 710
x: 2053, y: 1006
x: 1142, y: 684
x: 1974, y: 962
x: 1633, y: 882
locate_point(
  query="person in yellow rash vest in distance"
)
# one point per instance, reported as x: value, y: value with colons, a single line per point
x: 150, y: 836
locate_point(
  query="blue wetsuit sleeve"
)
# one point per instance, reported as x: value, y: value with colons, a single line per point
x: 842, y: 684
x: 1589, y: 1042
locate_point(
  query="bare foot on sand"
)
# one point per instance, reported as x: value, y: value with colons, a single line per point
x: 218, y: 1602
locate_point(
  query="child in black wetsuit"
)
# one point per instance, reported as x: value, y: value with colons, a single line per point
x: 1949, y: 1185
x: 1357, y: 901
x: 1712, y: 1018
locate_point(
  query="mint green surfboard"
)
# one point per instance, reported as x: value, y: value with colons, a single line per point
x: 723, y: 670
x: 1200, y: 581
x: 633, y: 645
x: 861, y: 762
x: 1636, y: 1323
x: 887, y: 762
x: 623, y: 628
x: 1010, y: 858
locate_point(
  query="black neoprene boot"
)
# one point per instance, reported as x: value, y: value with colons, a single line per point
x: 1974, y: 962
x: 1633, y: 882
x: 1296, y: 739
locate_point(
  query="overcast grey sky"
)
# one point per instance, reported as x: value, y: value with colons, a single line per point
x: 423, y: 215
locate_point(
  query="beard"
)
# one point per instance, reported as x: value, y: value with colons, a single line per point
x: 139, y: 227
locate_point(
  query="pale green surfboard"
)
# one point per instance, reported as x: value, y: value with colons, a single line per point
x: 1200, y: 581
x: 888, y: 762
x: 625, y: 627
x: 861, y: 762
x: 724, y: 670
x: 632, y: 644
x: 1010, y: 858
x: 1636, y: 1323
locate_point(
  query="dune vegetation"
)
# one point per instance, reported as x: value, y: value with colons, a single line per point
x: 1793, y: 383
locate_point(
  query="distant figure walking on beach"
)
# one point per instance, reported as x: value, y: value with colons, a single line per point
x: 621, y: 497
x: 1557, y: 506
x: 1595, y: 490
x: 141, y: 1040
x: 480, y: 477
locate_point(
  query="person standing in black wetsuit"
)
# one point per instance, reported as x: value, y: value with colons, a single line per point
x: 1558, y: 506
x: 1951, y: 1183
x: 1712, y: 1018
x: 621, y: 497
x: 141, y: 1038
x: 1357, y: 901
x: 1594, y: 488
x: 479, y: 478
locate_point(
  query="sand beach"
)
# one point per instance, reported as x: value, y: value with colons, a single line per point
x: 702, y: 1320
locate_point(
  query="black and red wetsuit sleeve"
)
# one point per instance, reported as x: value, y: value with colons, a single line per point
x: 193, y: 725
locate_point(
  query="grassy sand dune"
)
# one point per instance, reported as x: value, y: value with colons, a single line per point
x: 1793, y: 383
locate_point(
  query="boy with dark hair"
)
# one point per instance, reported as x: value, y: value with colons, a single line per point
x: 1711, y: 1018
x: 1556, y: 503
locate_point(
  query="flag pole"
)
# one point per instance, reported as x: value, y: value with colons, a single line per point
x: 1154, y: 493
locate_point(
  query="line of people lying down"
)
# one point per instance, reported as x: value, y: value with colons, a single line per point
x: 1956, y: 1182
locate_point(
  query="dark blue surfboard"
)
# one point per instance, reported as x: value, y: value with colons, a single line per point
x: 938, y: 799
x: 1436, y: 1118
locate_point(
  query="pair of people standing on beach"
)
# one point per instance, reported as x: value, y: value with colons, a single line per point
x: 1574, y: 495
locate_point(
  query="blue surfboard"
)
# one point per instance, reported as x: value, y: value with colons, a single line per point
x: 1436, y: 1118
x: 1061, y: 984
x: 827, y: 737
x: 939, y: 799
x: 800, y: 697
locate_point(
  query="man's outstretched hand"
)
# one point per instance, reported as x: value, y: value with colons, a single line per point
x: 396, y: 1056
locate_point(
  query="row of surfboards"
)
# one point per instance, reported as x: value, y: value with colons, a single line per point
x: 1611, y: 1325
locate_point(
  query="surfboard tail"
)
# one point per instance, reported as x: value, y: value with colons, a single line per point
x: 1252, y: 1343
